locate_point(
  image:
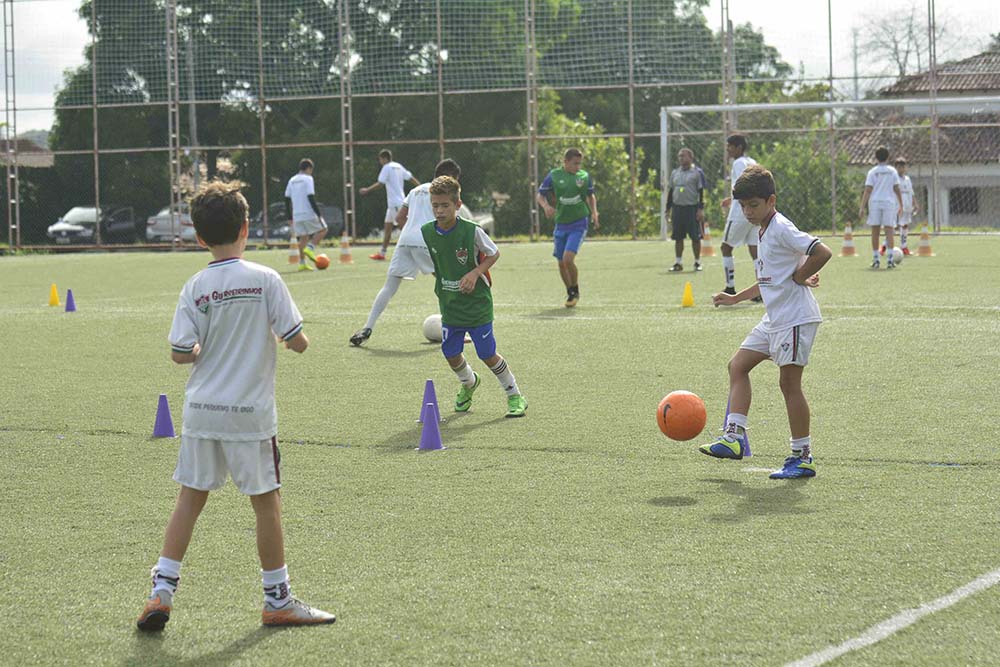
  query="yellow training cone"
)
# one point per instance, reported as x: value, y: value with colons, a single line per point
x: 53, y: 295
x: 687, y: 301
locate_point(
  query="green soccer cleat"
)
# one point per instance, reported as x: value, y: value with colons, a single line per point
x: 305, y: 267
x: 724, y: 447
x: 516, y: 405
x: 310, y: 253
x: 464, y: 399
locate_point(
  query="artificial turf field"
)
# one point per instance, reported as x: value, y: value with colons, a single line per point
x: 577, y: 536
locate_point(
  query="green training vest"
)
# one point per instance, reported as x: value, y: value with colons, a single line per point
x: 454, y: 254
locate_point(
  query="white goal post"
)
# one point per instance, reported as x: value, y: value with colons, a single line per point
x: 916, y: 125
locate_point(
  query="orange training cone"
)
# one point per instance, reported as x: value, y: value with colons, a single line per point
x: 707, y: 250
x: 848, y: 249
x: 924, y: 249
x: 293, y: 252
x: 345, y: 249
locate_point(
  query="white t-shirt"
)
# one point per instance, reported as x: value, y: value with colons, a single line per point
x: 233, y: 309
x: 739, y: 166
x: 906, y: 190
x: 881, y: 178
x: 418, y: 213
x: 299, y: 187
x: 392, y: 176
x: 782, y: 250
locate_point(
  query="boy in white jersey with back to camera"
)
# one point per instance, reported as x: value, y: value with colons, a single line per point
x: 884, y: 201
x: 393, y: 177
x: 308, y: 225
x: 226, y: 323
x: 788, y: 262
x: 738, y: 230
x: 411, y: 257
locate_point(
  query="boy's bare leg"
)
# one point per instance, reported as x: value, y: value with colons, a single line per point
x: 190, y: 503
x: 567, y: 267
x: 740, y: 365
x: 795, y: 400
x: 875, y: 233
x: 270, y: 540
x: 386, y: 237
x: 890, y: 236
x: 679, y: 248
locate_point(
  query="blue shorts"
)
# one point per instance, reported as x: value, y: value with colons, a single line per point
x: 568, y: 239
x: 453, y: 340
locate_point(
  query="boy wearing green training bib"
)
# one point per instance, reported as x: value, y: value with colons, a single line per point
x: 462, y: 254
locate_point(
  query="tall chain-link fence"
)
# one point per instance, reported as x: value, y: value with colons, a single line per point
x: 163, y: 94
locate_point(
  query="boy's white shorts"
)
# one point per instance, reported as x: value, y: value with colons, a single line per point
x: 882, y: 215
x: 410, y: 261
x: 906, y: 218
x: 390, y: 214
x: 739, y: 232
x: 788, y: 347
x: 308, y: 227
x: 205, y: 464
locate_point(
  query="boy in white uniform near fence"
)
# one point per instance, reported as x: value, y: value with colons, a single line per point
x: 910, y: 207
x: 788, y: 264
x: 738, y: 231
x: 225, y: 324
x: 884, y: 202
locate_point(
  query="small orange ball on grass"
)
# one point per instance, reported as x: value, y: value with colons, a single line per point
x: 681, y: 415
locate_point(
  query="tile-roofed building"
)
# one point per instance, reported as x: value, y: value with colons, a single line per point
x: 976, y: 75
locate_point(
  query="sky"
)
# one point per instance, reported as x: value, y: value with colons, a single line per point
x: 49, y: 37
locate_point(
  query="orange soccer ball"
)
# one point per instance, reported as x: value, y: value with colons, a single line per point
x: 681, y: 415
x: 322, y: 261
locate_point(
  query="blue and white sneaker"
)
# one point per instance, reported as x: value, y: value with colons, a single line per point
x: 724, y: 447
x: 795, y: 467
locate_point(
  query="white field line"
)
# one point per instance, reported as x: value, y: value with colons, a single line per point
x: 904, y: 619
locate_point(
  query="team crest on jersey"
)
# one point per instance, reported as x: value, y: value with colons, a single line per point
x: 784, y: 347
x: 202, y: 303
x: 462, y: 255
x: 579, y: 182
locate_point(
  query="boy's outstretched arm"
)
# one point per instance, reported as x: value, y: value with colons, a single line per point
x: 297, y: 343
x: 818, y: 258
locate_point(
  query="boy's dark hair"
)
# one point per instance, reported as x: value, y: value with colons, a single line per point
x: 305, y: 164
x: 385, y: 154
x: 881, y: 153
x: 738, y: 140
x: 218, y: 211
x: 448, y: 167
x: 446, y: 185
x: 755, y: 181
x: 572, y: 153
x: 901, y: 161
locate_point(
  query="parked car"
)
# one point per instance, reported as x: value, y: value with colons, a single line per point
x: 164, y: 227
x: 79, y: 225
x: 278, y: 226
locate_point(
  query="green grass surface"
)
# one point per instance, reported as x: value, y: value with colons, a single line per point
x: 577, y: 536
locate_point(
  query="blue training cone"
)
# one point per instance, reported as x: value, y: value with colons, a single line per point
x: 164, y: 426
x: 430, y: 396
x: 70, y: 303
x: 746, y: 434
x: 430, y: 436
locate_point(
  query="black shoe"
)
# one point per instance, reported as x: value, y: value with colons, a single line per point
x: 758, y: 299
x: 729, y: 290
x: 676, y: 268
x: 361, y: 336
x: 697, y: 266
x: 875, y: 264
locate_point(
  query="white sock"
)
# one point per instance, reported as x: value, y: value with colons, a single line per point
x: 311, y: 246
x: 277, y: 590
x: 736, y: 424
x: 801, y: 447
x: 166, y: 575
x: 875, y: 255
x: 385, y: 249
x: 465, y: 374
x: 385, y: 294
x: 677, y: 260
x: 903, y: 233
x: 505, y: 377
x: 730, y: 267
x: 888, y: 251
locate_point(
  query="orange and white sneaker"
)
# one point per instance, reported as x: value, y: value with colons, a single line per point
x: 157, y: 611
x: 294, y: 612
x: 378, y: 256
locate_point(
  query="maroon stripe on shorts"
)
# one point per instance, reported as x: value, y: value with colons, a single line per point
x: 277, y: 458
x: 795, y: 344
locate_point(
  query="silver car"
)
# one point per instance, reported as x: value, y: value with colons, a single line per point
x: 165, y: 227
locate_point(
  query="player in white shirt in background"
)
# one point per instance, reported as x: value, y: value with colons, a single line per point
x: 910, y: 207
x: 227, y: 319
x: 308, y: 225
x: 884, y: 201
x: 738, y: 231
x: 392, y: 177
x: 788, y: 264
x: 411, y: 257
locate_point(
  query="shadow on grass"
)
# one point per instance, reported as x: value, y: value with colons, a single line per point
x: 553, y: 313
x: 455, y: 426
x: 398, y: 354
x: 149, y: 650
x: 781, y: 497
x: 673, y: 501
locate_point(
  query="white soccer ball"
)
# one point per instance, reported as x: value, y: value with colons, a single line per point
x: 897, y: 256
x: 432, y: 328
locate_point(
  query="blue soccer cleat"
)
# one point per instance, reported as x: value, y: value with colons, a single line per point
x: 795, y: 467
x: 725, y: 447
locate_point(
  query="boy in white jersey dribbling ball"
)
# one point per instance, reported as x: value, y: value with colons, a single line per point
x: 226, y: 323
x: 788, y: 262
